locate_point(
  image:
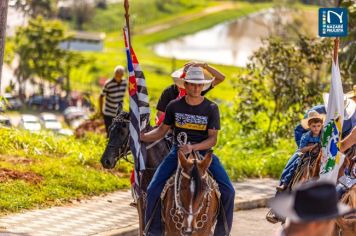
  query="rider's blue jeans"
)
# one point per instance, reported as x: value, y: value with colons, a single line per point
x: 165, y: 170
x: 290, y: 168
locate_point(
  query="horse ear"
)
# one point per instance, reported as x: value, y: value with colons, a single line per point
x: 182, y: 160
x: 204, y: 164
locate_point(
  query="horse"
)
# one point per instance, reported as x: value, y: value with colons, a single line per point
x: 346, y: 225
x: 308, y: 167
x: 190, y: 199
x: 118, y: 148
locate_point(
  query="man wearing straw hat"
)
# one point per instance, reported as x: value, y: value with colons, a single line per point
x: 177, y: 89
x: 198, y: 119
x: 310, y: 209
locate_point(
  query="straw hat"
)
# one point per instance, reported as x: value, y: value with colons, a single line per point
x: 194, y: 75
x: 312, y: 115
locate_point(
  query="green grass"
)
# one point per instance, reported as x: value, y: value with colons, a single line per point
x: 245, y: 156
x: 241, y: 159
x: 70, y: 169
x: 242, y: 9
x: 157, y: 69
x: 142, y: 13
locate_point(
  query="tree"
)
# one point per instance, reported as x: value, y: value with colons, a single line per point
x: 34, y: 8
x: 283, y: 79
x: 37, y: 45
x: 347, y: 55
x: 3, y: 16
x: 83, y: 12
x: 71, y: 60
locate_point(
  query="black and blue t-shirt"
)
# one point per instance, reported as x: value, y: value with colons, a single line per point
x: 194, y: 120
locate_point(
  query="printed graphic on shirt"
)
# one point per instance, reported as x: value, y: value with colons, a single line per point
x: 193, y: 122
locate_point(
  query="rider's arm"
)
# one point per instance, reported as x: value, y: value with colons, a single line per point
x: 101, y: 102
x: 303, y: 146
x: 101, y: 99
x: 219, y: 77
x: 347, y: 142
x: 207, y: 143
x: 155, y: 134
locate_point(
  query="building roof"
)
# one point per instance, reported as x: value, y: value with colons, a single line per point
x: 97, y: 36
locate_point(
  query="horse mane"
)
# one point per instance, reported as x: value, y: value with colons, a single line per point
x: 198, y: 181
x: 123, y: 115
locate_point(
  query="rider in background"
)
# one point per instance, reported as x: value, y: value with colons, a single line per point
x: 309, y: 140
x: 199, y: 119
x: 349, y: 119
x: 311, y: 209
x: 177, y: 89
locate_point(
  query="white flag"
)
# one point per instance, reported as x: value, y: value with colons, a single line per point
x: 332, y: 158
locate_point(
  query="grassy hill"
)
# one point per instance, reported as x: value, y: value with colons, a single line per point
x: 49, y: 170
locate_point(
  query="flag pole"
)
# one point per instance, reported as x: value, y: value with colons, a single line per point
x: 336, y: 49
x: 127, y: 19
x: 336, y: 40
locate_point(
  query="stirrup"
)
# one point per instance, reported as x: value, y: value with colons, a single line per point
x: 272, y: 217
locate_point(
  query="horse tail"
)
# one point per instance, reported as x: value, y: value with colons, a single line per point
x: 197, y: 179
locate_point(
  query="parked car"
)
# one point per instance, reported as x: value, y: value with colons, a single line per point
x: 44, y: 103
x: 66, y: 132
x: 10, y: 102
x: 74, y: 116
x: 50, y: 122
x: 73, y: 112
x: 4, y: 121
x: 30, y: 122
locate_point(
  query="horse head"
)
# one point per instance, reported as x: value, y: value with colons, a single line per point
x: 118, y: 144
x: 314, y: 153
x: 193, y: 188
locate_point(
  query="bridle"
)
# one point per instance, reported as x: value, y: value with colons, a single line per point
x: 123, y: 154
x: 179, y: 210
x: 126, y: 147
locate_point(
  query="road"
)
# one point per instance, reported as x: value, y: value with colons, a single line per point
x: 253, y: 223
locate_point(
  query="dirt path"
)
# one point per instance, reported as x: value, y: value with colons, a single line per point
x: 190, y: 17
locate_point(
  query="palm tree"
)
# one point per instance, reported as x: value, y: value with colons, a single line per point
x: 3, y: 16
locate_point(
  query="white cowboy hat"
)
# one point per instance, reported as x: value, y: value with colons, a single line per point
x: 312, y: 115
x: 194, y: 74
x: 349, y: 105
